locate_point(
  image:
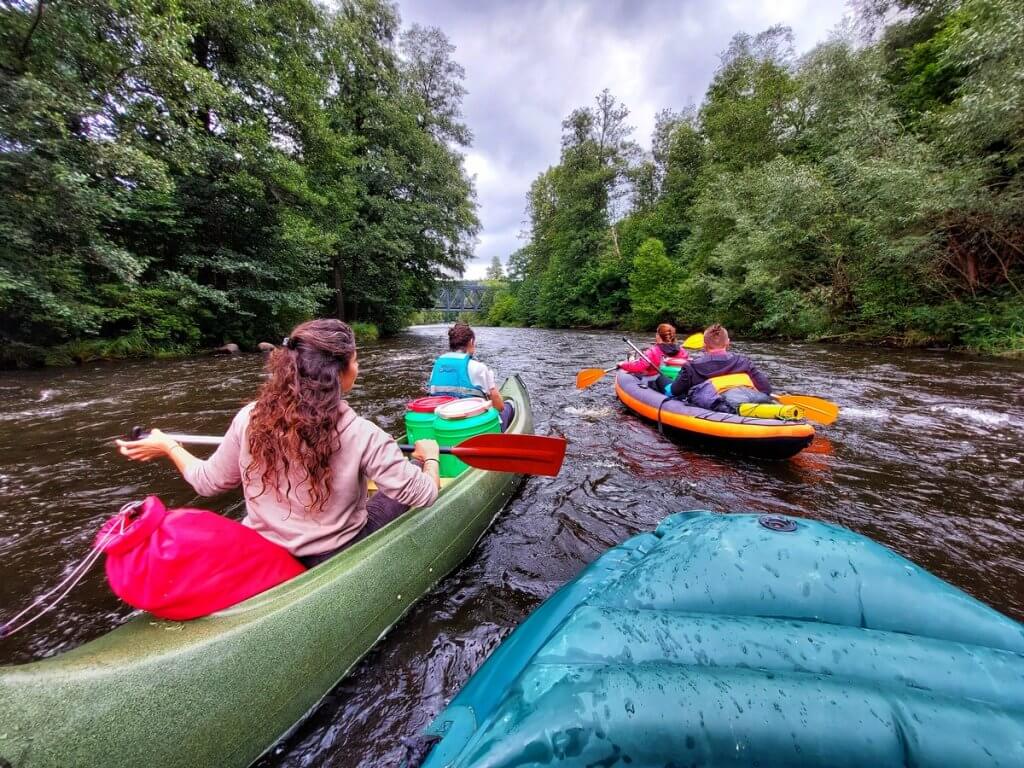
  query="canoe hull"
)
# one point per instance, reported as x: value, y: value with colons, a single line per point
x: 222, y: 690
x: 728, y: 433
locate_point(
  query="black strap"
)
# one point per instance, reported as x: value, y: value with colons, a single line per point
x: 661, y: 429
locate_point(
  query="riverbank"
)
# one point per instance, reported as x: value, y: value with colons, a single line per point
x: 989, y: 328
x: 20, y: 356
x: 998, y: 346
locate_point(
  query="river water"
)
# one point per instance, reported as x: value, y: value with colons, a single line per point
x: 926, y: 458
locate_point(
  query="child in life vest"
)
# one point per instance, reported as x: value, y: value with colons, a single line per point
x: 664, y: 347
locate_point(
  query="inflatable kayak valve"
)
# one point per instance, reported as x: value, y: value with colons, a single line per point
x: 777, y: 523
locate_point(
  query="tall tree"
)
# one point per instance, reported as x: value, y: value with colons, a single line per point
x: 496, y: 271
x: 432, y: 74
x: 177, y: 174
x: 746, y: 113
x: 416, y: 212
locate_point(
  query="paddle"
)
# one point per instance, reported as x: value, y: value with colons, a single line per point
x: 589, y: 376
x: 818, y: 409
x: 637, y: 350
x: 520, y: 454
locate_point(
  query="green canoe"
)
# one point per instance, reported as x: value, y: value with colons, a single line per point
x: 221, y: 690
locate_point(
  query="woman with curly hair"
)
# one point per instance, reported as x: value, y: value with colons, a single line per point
x: 302, y: 455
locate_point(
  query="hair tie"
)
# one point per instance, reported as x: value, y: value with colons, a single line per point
x: 286, y: 342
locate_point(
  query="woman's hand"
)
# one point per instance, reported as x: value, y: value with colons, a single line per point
x: 427, y: 452
x: 152, y: 446
x: 426, y: 449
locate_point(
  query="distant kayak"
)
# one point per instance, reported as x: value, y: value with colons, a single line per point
x: 765, y: 438
x: 729, y: 640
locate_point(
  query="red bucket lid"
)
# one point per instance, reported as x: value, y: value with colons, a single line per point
x: 428, y: 404
x: 463, y: 408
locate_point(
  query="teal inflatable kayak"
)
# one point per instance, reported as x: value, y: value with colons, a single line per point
x: 739, y: 640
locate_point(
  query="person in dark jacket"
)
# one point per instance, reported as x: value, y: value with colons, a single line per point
x: 694, y: 381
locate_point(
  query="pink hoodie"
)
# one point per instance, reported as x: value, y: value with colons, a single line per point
x: 655, y: 355
x: 366, y: 453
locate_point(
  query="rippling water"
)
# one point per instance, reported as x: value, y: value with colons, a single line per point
x: 926, y: 458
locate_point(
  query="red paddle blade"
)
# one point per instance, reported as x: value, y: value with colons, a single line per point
x: 521, y: 454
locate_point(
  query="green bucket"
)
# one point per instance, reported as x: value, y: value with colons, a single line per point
x: 420, y: 416
x: 452, y: 431
x: 669, y: 370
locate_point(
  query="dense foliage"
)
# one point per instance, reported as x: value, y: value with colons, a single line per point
x: 872, y: 189
x: 176, y: 173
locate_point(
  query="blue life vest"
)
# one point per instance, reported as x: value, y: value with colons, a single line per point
x: 451, y: 376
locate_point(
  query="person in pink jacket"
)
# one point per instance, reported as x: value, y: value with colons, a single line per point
x: 665, y: 346
x: 303, y: 457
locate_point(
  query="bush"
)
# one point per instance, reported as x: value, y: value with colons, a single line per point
x: 652, y: 284
x: 365, y: 332
x: 426, y: 317
x: 504, y: 309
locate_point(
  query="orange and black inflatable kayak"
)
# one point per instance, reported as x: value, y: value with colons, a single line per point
x: 766, y: 438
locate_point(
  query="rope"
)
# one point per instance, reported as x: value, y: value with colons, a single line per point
x: 72, y: 579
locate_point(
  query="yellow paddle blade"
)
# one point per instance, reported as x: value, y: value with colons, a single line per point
x: 589, y: 376
x: 694, y: 341
x: 818, y: 409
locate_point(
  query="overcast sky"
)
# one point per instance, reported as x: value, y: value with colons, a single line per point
x: 531, y: 62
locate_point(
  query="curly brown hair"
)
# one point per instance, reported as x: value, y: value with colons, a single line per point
x: 295, y: 420
x: 459, y: 336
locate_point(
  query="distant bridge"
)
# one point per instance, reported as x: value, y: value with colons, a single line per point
x: 459, y: 296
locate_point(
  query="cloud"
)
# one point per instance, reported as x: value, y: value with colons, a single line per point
x: 531, y: 62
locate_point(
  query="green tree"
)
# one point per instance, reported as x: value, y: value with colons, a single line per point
x: 746, y: 115
x: 580, y: 277
x: 495, y: 271
x: 415, y: 212
x: 80, y: 98
x: 652, y: 284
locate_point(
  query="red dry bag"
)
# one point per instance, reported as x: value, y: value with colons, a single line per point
x: 186, y: 563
